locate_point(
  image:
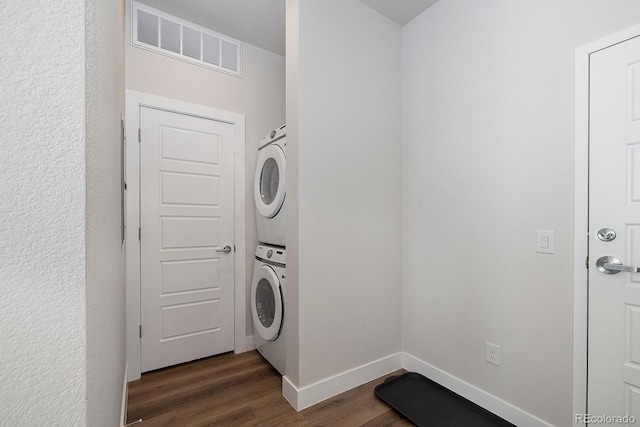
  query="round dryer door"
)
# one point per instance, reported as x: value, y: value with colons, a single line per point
x: 266, y: 303
x: 269, y: 182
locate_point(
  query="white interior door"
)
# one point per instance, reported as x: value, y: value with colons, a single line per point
x: 186, y: 217
x: 614, y: 231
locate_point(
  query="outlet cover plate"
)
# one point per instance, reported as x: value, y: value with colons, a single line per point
x: 493, y: 353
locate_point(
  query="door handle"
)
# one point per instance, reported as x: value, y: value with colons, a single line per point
x: 226, y: 249
x: 612, y: 265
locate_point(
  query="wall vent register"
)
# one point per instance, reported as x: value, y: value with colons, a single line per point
x: 160, y: 32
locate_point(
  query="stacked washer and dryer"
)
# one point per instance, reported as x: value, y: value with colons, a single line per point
x: 268, y: 285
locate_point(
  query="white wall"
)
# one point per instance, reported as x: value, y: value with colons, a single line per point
x: 487, y: 158
x: 42, y: 214
x: 105, y: 278
x: 259, y: 95
x: 347, y: 222
x: 291, y: 319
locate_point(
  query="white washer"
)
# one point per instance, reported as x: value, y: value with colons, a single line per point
x: 269, y: 187
x: 267, y: 304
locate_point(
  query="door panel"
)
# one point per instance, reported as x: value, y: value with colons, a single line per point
x: 183, y: 233
x: 204, y: 189
x: 614, y: 202
x: 189, y: 275
x: 186, y: 217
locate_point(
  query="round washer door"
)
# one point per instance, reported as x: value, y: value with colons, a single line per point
x: 266, y: 303
x: 269, y: 181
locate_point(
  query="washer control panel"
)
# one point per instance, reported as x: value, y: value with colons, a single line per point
x: 271, y: 253
x: 273, y: 136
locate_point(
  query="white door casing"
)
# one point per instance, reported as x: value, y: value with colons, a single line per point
x: 136, y: 103
x: 614, y: 203
x: 186, y: 214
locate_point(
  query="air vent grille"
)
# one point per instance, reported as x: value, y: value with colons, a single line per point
x: 163, y: 33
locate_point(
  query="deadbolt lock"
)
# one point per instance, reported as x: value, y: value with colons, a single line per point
x: 606, y: 234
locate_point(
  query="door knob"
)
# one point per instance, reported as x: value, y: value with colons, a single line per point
x: 612, y: 265
x: 226, y: 249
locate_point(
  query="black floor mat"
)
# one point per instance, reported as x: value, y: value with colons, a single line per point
x: 428, y: 404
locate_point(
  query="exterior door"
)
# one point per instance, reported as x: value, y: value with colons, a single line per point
x: 186, y: 217
x: 614, y: 231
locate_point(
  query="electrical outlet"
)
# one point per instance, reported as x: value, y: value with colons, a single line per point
x: 493, y: 353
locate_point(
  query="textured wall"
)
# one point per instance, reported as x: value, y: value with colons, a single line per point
x: 42, y: 207
x: 487, y: 158
x: 104, y: 255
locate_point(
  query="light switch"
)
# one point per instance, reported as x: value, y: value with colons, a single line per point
x: 544, y: 241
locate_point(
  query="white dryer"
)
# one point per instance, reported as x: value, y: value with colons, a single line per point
x: 269, y: 187
x: 267, y: 304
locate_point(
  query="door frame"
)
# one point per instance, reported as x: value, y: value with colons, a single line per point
x: 581, y: 213
x: 135, y: 100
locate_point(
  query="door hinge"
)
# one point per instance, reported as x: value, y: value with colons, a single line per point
x: 139, y: 135
x: 140, y: 331
x: 586, y: 263
x: 139, y: 233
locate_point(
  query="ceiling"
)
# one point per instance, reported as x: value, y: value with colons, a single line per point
x: 262, y: 22
x: 400, y: 11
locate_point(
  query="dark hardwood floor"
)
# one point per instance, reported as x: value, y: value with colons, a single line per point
x: 243, y: 390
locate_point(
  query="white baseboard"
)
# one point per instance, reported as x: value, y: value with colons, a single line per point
x: 478, y: 396
x: 290, y: 392
x: 302, y: 398
x: 249, y: 344
x: 125, y: 397
x: 332, y: 386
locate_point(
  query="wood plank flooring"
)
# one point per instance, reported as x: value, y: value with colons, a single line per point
x: 243, y: 390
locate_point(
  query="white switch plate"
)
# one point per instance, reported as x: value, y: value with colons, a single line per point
x: 544, y: 241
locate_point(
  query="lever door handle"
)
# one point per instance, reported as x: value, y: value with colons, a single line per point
x: 612, y: 265
x: 226, y: 249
